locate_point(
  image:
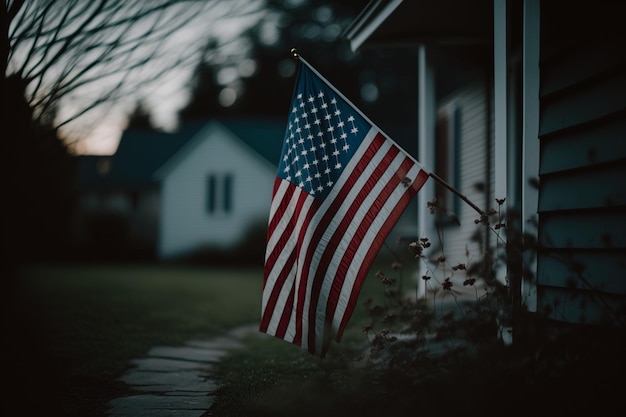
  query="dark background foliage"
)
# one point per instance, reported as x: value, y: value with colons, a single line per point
x: 40, y: 169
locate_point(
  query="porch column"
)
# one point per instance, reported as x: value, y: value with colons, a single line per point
x: 426, y: 150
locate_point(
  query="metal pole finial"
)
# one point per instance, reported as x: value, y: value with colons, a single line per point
x: 294, y: 53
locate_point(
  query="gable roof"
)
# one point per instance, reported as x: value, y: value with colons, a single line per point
x: 263, y: 136
x: 141, y: 152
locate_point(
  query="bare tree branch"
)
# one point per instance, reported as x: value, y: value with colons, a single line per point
x: 64, y: 49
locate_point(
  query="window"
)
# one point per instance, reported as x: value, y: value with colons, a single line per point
x: 219, y: 193
x: 446, y: 134
x: 228, y: 193
x: 211, y: 193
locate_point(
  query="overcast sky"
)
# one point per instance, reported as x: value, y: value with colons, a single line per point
x: 104, y: 126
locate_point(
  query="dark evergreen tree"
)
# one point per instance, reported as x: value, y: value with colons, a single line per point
x: 380, y: 82
x: 39, y: 181
x: 203, y: 103
x: 140, y: 117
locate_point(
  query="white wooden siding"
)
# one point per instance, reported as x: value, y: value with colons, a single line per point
x: 472, y: 167
x: 186, y: 225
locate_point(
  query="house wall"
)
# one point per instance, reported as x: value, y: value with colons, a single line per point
x: 582, y: 200
x: 186, y: 224
x: 472, y: 166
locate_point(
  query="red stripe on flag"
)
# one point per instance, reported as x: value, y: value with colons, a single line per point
x: 286, y: 231
x: 287, y: 312
x: 338, y: 236
x: 353, y: 250
x: 321, y: 227
x: 280, y: 209
x: 286, y: 276
x: 294, y: 265
x: 270, y: 307
x: 384, y: 231
x: 333, y: 297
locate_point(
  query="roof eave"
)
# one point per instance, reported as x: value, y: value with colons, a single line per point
x: 370, y: 18
x: 446, y: 24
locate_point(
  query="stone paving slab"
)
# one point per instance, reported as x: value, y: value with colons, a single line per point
x: 151, y: 405
x: 214, y: 344
x: 169, y: 381
x: 165, y: 365
x: 187, y: 353
x: 175, y: 381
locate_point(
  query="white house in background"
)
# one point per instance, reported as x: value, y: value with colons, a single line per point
x: 213, y: 190
x: 172, y: 194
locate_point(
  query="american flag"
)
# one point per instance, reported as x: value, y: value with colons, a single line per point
x: 341, y: 186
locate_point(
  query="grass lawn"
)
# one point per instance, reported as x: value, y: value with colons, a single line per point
x: 70, y: 330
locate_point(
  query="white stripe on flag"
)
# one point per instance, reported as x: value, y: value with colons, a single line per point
x: 356, y: 219
x: 354, y: 226
x: 277, y: 200
x: 367, y: 242
x: 334, y: 223
x: 281, y: 261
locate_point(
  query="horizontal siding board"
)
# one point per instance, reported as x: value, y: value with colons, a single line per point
x: 577, y: 66
x: 585, y: 104
x: 598, y: 143
x: 584, y: 270
x: 584, y: 229
x: 582, y: 131
x: 471, y: 164
x: 581, y: 306
x: 471, y: 125
x: 472, y: 151
x: 589, y: 188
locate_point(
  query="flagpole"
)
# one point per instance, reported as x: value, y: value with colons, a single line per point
x: 455, y: 191
x: 296, y: 55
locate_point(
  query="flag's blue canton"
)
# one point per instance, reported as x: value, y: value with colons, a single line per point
x: 322, y: 134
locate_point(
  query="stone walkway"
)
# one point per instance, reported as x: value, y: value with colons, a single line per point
x: 176, y: 381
